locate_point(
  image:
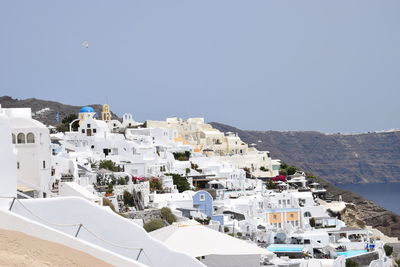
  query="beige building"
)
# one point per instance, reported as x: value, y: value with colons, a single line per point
x: 227, y: 147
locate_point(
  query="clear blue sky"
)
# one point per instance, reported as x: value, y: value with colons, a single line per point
x: 332, y: 66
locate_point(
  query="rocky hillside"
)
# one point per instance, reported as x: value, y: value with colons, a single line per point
x: 47, y: 109
x: 364, y: 211
x: 358, y: 158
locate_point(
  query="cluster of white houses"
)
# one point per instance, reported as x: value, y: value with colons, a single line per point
x: 53, y: 182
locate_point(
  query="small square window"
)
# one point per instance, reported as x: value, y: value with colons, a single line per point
x: 94, y: 130
x: 88, y: 125
x: 202, y: 197
x: 83, y: 130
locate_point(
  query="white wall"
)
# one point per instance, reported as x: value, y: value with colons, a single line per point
x: 106, y: 224
x: 8, y: 181
x: 15, y: 222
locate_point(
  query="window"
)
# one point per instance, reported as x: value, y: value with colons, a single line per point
x: 94, y: 130
x: 21, y: 138
x: 13, y: 138
x: 274, y: 217
x: 202, y: 197
x: 280, y: 201
x: 88, y: 125
x: 288, y: 201
x: 307, y: 214
x: 30, y: 138
x: 83, y: 130
x: 18, y: 165
x: 44, y: 164
x: 292, y: 215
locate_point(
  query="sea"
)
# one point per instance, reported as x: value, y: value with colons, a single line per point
x: 385, y: 195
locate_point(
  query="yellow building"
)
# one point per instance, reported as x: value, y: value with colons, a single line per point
x: 105, y: 113
x: 279, y: 218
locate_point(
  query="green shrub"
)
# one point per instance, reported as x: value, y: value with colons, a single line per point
x: 107, y: 202
x: 239, y: 234
x: 271, y: 185
x: 121, y: 181
x: 351, y: 263
x: 226, y: 229
x: 180, y: 182
x: 291, y: 170
x: 153, y: 225
x: 110, y: 189
x: 167, y: 215
x: 182, y: 156
x: 388, y: 250
x: 128, y: 199
x: 155, y: 185
x: 109, y: 165
x: 64, y: 126
x: 312, y: 222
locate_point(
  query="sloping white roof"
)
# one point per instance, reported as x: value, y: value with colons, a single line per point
x: 197, y: 240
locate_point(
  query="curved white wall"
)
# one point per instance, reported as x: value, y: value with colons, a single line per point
x: 108, y: 225
x: 15, y: 222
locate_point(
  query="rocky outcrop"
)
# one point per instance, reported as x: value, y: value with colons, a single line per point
x: 364, y: 212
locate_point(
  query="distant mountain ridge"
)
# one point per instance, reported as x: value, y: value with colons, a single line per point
x: 40, y: 106
x: 357, y: 158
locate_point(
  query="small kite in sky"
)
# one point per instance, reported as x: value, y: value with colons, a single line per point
x: 85, y: 44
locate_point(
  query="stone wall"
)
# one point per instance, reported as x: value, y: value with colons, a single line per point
x: 145, y: 215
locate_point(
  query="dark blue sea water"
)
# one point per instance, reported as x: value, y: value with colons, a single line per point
x: 385, y: 195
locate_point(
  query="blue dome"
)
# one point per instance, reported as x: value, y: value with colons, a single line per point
x: 86, y: 110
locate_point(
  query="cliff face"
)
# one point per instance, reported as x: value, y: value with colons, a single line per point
x: 365, y: 211
x: 359, y: 158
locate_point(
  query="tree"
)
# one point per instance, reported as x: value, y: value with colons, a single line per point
x: 155, y: 185
x: 153, y: 225
x: 167, y: 215
x: 291, y: 170
x: 180, y: 182
x: 312, y: 222
x: 271, y: 185
x: 388, y: 250
x: 284, y: 165
x: 283, y: 172
x: 128, y: 199
x: 64, y: 126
